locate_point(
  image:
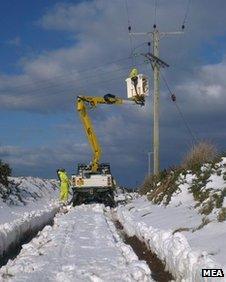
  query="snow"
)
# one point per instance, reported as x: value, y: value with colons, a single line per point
x: 212, y: 239
x: 30, y: 206
x: 12, y: 233
x: 149, y: 223
x: 82, y: 245
x: 179, y: 234
x: 216, y: 181
x: 223, y: 162
x: 183, y: 196
x: 28, y: 194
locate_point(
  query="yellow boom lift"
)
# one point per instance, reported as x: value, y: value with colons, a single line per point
x: 94, y: 182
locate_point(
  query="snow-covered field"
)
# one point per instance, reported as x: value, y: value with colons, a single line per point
x: 82, y: 245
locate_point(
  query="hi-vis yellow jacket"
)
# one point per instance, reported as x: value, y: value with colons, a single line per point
x: 64, y: 179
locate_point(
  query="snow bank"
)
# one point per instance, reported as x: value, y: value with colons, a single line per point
x: 184, y: 263
x: 192, y: 204
x: 25, y: 190
x: 141, y: 269
x: 11, y: 234
x: 82, y: 245
x: 27, y: 194
x: 28, y: 205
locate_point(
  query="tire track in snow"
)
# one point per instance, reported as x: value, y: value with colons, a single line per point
x: 82, y: 245
x: 21, y: 231
x: 157, y: 267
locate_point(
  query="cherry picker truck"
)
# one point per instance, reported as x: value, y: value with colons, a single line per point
x: 94, y: 181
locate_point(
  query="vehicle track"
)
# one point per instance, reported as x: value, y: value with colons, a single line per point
x: 82, y: 245
x: 157, y: 267
x: 23, y: 230
x: 91, y: 230
x: 15, y: 248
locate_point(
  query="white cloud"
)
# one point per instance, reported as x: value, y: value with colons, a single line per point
x: 100, y: 31
x: 69, y: 16
x: 51, y: 80
x: 208, y: 86
x: 215, y: 91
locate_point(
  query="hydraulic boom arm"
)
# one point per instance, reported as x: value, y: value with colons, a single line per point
x: 92, y: 102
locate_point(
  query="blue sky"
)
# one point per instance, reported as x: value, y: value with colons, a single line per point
x: 52, y: 51
x: 21, y: 36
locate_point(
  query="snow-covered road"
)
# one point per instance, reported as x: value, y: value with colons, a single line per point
x: 82, y: 245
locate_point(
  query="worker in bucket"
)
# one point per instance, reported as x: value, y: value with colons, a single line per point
x: 64, y: 185
x: 134, y: 77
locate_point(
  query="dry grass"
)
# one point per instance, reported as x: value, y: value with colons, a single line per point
x: 199, y: 154
x: 148, y: 185
x: 159, y: 188
x: 222, y: 215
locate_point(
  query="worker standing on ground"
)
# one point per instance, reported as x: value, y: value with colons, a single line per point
x: 64, y: 185
x: 134, y: 77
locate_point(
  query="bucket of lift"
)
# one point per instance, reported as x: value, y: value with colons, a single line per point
x: 141, y: 88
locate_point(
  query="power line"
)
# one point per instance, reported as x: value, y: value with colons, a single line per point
x: 173, y: 97
x: 63, y: 76
x: 78, y: 80
x: 69, y: 88
x: 155, y: 14
x: 186, y: 14
x: 72, y: 87
x: 129, y: 29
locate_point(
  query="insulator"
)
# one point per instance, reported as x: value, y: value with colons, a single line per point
x: 149, y: 43
x: 154, y: 25
x: 173, y: 97
x: 129, y: 28
x: 183, y: 26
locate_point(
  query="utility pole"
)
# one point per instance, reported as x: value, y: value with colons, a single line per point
x: 149, y: 163
x: 156, y: 63
x: 156, y: 98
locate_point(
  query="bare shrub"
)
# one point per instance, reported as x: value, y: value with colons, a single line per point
x: 199, y: 154
x: 5, y: 172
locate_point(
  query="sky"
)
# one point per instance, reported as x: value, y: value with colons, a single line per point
x: 52, y: 51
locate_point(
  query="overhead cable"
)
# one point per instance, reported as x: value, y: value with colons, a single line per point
x: 129, y: 29
x: 54, y: 84
x: 186, y: 14
x: 43, y: 82
x: 173, y: 98
x: 155, y: 14
x: 39, y: 92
